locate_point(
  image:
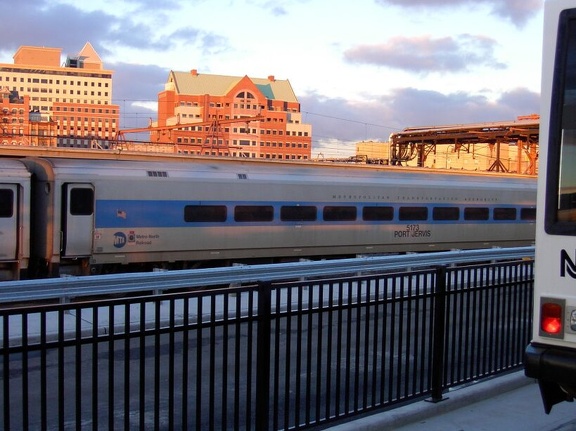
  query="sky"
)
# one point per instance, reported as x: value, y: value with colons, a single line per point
x: 360, y: 69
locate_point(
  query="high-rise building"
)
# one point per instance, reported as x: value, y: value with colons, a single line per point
x: 237, y: 116
x: 70, y: 100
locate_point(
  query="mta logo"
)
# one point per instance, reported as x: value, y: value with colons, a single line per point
x: 119, y: 240
x: 567, y: 265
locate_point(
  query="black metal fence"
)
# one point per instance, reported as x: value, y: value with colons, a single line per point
x: 294, y: 355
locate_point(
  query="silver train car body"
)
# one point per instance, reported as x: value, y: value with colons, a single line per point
x: 93, y: 216
x: 14, y: 218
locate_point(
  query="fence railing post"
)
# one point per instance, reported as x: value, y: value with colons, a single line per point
x: 439, y: 335
x: 263, y: 356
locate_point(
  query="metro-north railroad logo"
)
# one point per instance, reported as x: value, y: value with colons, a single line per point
x: 567, y: 265
x: 119, y: 239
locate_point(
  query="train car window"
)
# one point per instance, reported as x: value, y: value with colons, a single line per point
x: 504, y: 213
x: 445, y: 213
x: 377, y: 213
x: 6, y: 203
x: 298, y: 213
x: 560, y: 208
x: 476, y: 213
x: 81, y: 201
x: 527, y: 213
x: 251, y: 213
x: 340, y: 213
x: 205, y: 213
x: 413, y: 213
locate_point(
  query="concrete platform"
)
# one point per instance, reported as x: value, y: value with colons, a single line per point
x: 509, y: 403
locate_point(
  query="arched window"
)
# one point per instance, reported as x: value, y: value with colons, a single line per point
x: 246, y: 101
x: 245, y: 95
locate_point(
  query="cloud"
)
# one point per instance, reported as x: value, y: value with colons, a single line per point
x: 153, y: 4
x: 426, y: 107
x: 138, y: 82
x: 425, y: 54
x: 68, y: 27
x: 516, y: 11
x: 135, y: 90
x: 337, y: 118
x: 521, y: 101
x: 275, y: 8
x: 56, y: 25
x: 337, y: 124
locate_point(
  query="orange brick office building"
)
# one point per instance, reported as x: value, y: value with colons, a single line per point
x: 69, y: 103
x: 237, y: 116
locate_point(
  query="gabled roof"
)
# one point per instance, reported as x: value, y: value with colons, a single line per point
x: 90, y: 56
x: 193, y: 83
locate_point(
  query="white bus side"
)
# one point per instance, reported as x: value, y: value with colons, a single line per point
x: 551, y: 355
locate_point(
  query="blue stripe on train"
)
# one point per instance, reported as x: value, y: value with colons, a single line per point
x: 170, y: 214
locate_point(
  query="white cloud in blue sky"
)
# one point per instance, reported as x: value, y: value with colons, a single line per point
x: 424, y: 54
x: 517, y: 11
x: 361, y: 69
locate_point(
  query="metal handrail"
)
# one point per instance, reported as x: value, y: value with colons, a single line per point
x: 159, y: 282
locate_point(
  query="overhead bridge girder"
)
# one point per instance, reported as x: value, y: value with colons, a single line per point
x: 419, y: 142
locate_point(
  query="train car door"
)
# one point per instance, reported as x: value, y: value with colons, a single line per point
x: 8, y: 221
x: 78, y: 219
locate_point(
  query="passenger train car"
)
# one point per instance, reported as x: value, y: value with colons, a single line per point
x: 551, y: 356
x: 15, y: 188
x: 94, y: 216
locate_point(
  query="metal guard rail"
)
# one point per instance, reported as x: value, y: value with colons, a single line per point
x: 159, y: 282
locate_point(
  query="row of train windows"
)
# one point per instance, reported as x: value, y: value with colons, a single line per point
x: 299, y: 213
x: 309, y: 213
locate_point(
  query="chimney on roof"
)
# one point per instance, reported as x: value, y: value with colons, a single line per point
x: 194, y: 72
x: 271, y: 78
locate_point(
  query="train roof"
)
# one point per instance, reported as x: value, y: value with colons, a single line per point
x: 10, y: 168
x: 58, y: 156
x: 269, y: 171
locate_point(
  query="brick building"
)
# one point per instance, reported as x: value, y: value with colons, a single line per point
x: 237, y: 116
x: 71, y: 101
x: 13, y: 117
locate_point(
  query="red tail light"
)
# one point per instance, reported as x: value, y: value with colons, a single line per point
x: 551, y: 318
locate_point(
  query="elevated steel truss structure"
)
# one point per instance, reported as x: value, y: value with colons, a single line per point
x: 418, y: 142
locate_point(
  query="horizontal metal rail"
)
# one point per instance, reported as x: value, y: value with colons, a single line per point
x: 159, y: 282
